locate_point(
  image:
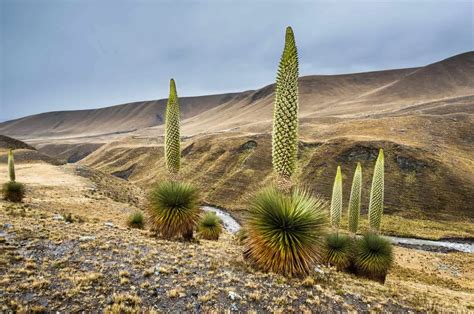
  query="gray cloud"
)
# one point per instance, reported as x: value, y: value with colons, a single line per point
x: 62, y: 55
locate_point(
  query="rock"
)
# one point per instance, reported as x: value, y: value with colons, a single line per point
x: 410, y: 164
x: 319, y: 270
x: 86, y: 238
x: 109, y: 224
x: 234, y: 296
x: 58, y: 217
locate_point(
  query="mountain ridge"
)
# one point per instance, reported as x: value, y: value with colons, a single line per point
x: 352, y: 94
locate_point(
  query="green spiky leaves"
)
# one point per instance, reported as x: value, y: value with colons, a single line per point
x: 11, y: 166
x: 210, y: 226
x: 354, y: 200
x: 336, y: 200
x: 338, y: 250
x: 172, y: 132
x: 285, y: 110
x: 373, y: 256
x: 377, y: 194
x: 285, y: 233
x: 174, y: 208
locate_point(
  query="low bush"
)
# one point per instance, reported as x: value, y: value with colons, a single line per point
x: 174, y: 209
x: 135, y: 220
x: 286, y: 232
x: 210, y: 226
x: 13, y: 191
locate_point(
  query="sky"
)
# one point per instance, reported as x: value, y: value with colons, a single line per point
x: 80, y: 54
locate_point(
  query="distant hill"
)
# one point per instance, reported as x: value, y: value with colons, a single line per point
x: 7, y: 142
x: 350, y: 95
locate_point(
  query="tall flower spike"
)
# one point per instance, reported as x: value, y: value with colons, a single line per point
x: 354, y: 201
x: 376, y: 195
x: 285, y: 111
x: 11, y: 166
x: 172, y: 133
x: 336, y: 201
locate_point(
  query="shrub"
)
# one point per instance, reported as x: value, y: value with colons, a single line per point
x: 172, y: 131
x: 285, y: 231
x: 338, y: 250
x: 336, y: 200
x: 354, y: 200
x: 174, y: 209
x: 210, y: 226
x: 285, y: 111
x: 135, y: 220
x: 373, y: 256
x: 376, y: 195
x: 13, y: 191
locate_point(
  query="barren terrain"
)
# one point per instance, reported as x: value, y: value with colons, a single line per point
x: 67, y: 248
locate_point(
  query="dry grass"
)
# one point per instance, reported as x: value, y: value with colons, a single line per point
x: 119, y: 270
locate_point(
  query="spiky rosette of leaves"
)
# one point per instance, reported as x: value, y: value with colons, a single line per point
x: 336, y: 200
x: 354, y: 200
x: 377, y: 194
x: 373, y: 256
x: 285, y: 232
x: 285, y: 110
x: 136, y: 220
x: 172, y: 131
x: 11, y: 166
x: 210, y: 226
x: 338, y: 250
x: 174, y: 208
x: 13, y: 191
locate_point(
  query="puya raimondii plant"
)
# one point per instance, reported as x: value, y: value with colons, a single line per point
x: 354, y: 201
x: 12, y: 191
x: 11, y: 166
x: 174, y: 205
x: 285, y: 227
x: 377, y: 195
x: 336, y: 200
x: 172, y: 131
x: 285, y: 113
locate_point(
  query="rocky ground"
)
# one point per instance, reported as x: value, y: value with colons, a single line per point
x: 67, y: 248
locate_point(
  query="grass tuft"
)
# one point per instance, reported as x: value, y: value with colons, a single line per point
x: 135, y: 220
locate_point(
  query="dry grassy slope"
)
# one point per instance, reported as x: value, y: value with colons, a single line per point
x: 428, y: 164
x: 93, y: 262
x: 68, y: 152
x: 120, y: 118
x: 350, y: 95
x: 23, y: 152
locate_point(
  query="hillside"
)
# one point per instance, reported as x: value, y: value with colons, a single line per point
x: 345, y: 96
x: 67, y: 248
x: 423, y: 117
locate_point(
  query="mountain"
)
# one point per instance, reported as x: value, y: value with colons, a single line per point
x: 347, y: 96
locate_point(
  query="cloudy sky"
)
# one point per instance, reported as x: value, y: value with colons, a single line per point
x: 77, y: 54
